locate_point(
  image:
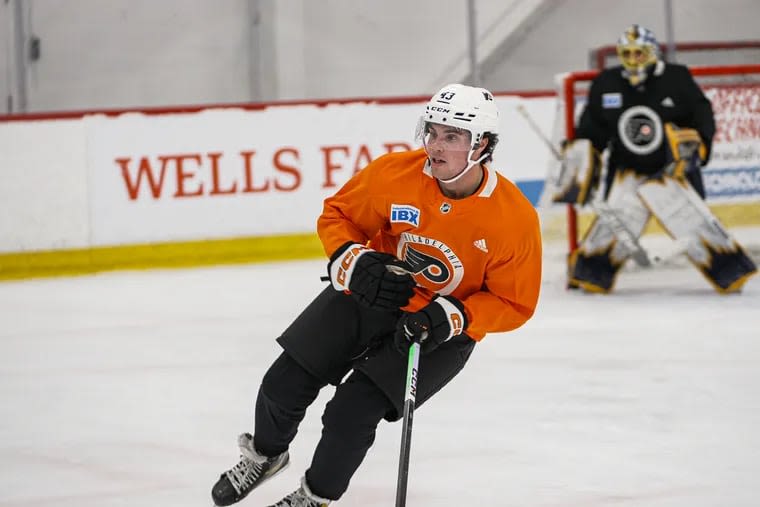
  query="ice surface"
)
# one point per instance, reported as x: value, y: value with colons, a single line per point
x: 129, y: 389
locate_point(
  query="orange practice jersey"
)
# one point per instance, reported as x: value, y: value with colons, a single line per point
x: 484, y: 249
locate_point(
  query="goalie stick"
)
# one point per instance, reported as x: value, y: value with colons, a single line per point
x: 609, y: 216
x: 605, y: 213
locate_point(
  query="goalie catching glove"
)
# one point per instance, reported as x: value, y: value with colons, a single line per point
x: 579, y: 172
x: 365, y: 274
x: 438, y: 322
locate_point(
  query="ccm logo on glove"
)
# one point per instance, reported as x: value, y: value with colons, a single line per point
x: 369, y: 276
x: 343, y: 273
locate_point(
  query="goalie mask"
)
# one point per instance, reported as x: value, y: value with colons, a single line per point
x: 638, y: 51
x: 463, y: 107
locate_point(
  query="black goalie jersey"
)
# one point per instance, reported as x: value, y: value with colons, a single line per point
x: 631, y: 119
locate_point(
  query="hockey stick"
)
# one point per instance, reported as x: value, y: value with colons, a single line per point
x: 406, y: 431
x: 537, y: 130
x: 606, y: 213
x: 609, y: 216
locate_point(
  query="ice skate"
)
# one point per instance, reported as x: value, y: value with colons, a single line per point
x: 252, y: 470
x: 302, y: 497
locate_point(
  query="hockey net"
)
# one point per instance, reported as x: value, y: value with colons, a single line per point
x: 732, y: 177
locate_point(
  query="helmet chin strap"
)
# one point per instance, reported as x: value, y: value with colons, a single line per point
x: 466, y: 168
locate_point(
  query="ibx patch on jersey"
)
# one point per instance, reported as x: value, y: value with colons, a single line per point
x: 612, y: 100
x: 403, y: 213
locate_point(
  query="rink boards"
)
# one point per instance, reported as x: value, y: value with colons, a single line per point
x: 175, y: 188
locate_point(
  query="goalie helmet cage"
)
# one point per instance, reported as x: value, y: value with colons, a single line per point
x: 740, y: 52
x: 734, y: 91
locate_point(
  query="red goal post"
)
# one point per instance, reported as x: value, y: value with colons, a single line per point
x: 734, y: 91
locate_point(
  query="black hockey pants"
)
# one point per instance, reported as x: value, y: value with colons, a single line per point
x: 348, y: 423
x: 332, y: 336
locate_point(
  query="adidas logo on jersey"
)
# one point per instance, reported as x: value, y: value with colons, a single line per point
x: 667, y: 102
x: 480, y: 244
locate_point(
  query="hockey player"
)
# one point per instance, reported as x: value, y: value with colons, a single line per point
x: 658, y: 127
x: 469, y: 243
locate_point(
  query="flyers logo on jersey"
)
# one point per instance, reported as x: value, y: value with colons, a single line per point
x: 427, y: 265
x: 403, y: 213
x: 433, y: 264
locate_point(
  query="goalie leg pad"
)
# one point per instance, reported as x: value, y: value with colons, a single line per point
x: 612, y: 237
x: 710, y: 247
x: 595, y: 272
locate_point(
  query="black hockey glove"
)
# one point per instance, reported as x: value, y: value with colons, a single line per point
x: 366, y: 275
x: 434, y: 324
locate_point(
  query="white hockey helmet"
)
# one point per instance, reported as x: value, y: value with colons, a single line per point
x: 466, y: 107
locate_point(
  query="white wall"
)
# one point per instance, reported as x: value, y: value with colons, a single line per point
x: 561, y: 40
x: 131, y: 53
x: 6, y: 47
x: 397, y: 47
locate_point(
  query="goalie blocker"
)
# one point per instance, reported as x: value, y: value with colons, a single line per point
x: 678, y: 208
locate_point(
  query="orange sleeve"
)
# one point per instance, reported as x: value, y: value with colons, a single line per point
x: 354, y: 213
x: 512, y: 285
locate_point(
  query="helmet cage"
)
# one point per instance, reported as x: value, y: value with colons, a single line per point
x: 637, y: 50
